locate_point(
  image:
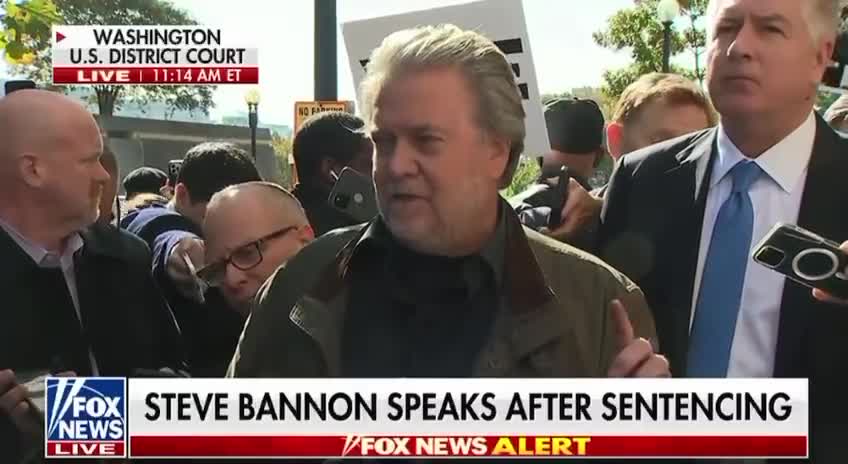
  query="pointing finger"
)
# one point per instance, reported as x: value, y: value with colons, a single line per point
x: 623, y: 328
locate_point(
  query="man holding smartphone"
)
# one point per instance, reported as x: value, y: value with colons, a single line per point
x: 576, y: 132
x: 324, y: 145
x: 682, y: 218
x: 654, y: 108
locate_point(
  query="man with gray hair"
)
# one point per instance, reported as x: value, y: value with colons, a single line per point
x: 445, y: 282
x: 682, y: 218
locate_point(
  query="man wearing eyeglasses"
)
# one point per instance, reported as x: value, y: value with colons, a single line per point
x: 173, y: 232
x: 241, y: 254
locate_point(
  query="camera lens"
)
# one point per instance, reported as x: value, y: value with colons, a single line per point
x: 341, y: 200
x: 770, y: 256
x: 815, y: 264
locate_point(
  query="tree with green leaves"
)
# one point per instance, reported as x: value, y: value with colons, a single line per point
x: 638, y: 29
x: 117, y: 13
x: 526, y: 174
x: 24, y: 27
x: 695, y: 35
x: 824, y: 99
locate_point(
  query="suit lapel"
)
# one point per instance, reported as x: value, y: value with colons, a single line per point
x: 820, y: 212
x: 528, y: 318
x: 320, y: 313
x: 97, y: 314
x: 520, y: 335
x: 86, y: 296
x: 679, y: 243
x: 322, y: 321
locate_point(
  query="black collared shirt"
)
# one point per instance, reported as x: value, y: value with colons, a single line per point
x: 416, y: 315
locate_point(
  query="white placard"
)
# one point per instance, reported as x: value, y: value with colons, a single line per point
x: 502, y: 21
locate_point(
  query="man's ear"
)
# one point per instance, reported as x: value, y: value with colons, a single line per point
x: 181, y: 195
x: 824, y: 57
x: 31, y: 170
x: 498, y: 155
x: 306, y: 233
x: 614, y: 135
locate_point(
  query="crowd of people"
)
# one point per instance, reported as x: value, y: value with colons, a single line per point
x: 218, y: 272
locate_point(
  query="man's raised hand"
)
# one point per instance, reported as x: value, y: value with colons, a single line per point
x: 636, y: 357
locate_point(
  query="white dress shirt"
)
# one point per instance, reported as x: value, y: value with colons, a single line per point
x: 776, y: 197
x: 47, y: 259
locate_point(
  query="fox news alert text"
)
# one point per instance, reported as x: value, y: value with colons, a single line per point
x: 158, y: 55
x: 349, y: 418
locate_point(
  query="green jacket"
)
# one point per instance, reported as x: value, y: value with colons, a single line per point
x: 556, y: 322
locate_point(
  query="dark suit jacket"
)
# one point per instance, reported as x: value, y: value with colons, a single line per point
x: 128, y: 325
x: 651, y: 231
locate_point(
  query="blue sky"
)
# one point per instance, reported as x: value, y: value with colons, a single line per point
x: 560, y: 32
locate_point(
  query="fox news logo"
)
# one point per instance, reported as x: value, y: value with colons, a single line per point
x: 85, y: 417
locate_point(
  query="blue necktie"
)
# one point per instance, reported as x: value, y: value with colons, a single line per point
x: 723, y: 277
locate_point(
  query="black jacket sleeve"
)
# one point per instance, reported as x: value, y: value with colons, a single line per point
x: 531, y: 207
x: 613, y: 214
x: 170, y: 351
x: 619, y: 241
x: 126, y: 300
x: 10, y: 446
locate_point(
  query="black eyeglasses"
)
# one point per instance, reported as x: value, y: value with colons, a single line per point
x: 245, y: 257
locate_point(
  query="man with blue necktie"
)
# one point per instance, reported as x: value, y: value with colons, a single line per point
x: 681, y: 217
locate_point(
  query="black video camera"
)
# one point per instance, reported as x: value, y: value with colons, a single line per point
x: 13, y: 86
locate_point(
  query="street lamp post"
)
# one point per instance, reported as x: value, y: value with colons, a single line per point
x: 667, y: 12
x: 326, y: 65
x: 252, y: 100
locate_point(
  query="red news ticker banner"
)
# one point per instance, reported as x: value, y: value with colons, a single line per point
x: 155, y: 76
x: 325, y: 446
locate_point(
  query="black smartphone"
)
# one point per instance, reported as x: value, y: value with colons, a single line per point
x: 14, y: 86
x: 805, y: 257
x: 353, y: 194
x: 555, y: 196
